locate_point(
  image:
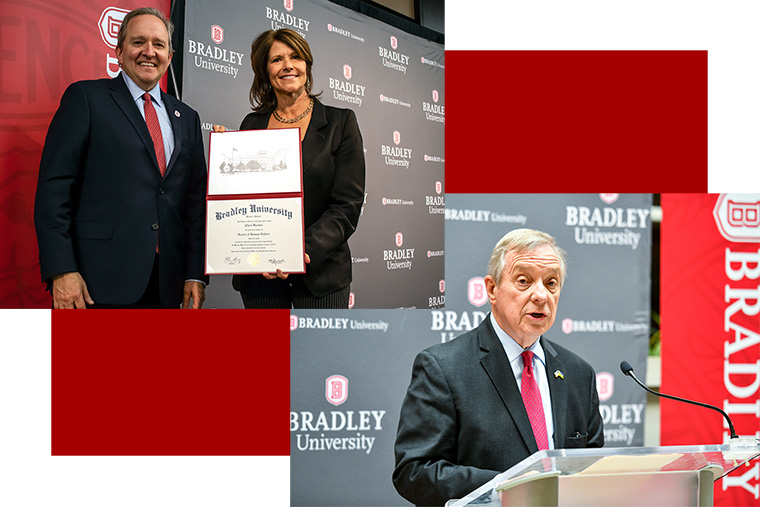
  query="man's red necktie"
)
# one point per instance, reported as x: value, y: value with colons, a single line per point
x: 532, y: 400
x: 151, y: 118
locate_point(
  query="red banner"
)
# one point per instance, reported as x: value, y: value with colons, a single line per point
x: 44, y: 46
x: 710, y: 302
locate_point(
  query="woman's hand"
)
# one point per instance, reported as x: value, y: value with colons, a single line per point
x: 219, y: 128
x: 279, y: 273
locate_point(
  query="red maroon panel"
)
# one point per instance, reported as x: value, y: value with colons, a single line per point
x: 576, y: 121
x: 170, y: 382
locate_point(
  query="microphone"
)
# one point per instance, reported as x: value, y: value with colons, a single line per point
x: 627, y: 369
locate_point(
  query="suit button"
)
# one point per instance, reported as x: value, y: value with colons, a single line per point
x: 155, y: 227
x: 161, y: 191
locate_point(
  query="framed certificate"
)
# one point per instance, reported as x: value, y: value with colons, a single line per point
x: 254, y: 205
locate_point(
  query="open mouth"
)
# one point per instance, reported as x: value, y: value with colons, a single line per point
x: 537, y: 315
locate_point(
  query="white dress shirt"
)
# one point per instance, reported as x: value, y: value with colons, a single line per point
x: 514, y: 355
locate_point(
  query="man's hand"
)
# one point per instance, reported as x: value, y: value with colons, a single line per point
x: 281, y: 274
x: 195, y: 291
x: 70, y: 291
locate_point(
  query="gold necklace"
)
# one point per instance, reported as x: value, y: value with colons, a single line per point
x: 297, y: 118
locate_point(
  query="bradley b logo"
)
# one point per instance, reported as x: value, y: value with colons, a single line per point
x: 394, y: 42
x: 336, y: 389
x: 435, y: 96
x: 109, y: 24
x: 476, y: 291
x: 217, y: 34
x: 399, y: 239
x: 396, y: 137
x: 293, y: 322
x: 738, y: 217
x: 605, y: 385
x: 287, y: 5
x: 438, y: 187
x: 347, y: 71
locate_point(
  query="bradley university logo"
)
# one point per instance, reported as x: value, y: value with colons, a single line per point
x: 336, y: 389
x: 605, y: 385
x: 347, y: 71
x: 394, y: 42
x: 396, y: 137
x: 293, y: 322
x: 609, y: 198
x: 738, y: 217
x: 476, y: 291
x: 287, y: 5
x: 109, y: 24
x: 217, y: 34
x: 399, y: 239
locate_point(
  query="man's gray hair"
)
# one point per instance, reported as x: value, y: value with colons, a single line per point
x: 141, y: 12
x: 523, y: 240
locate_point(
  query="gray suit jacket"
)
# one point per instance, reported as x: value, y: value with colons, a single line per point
x: 463, y: 420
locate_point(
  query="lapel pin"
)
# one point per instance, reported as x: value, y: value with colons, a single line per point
x: 176, y: 113
x: 558, y: 374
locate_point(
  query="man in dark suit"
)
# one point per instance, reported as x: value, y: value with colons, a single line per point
x: 490, y: 398
x: 120, y: 205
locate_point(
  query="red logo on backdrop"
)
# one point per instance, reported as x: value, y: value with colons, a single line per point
x: 435, y: 95
x: 438, y: 187
x: 738, y: 217
x: 476, y: 291
x: 347, y: 71
x: 217, y: 34
x: 109, y: 24
x: 336, y: 389
x: 384, y: 201
x: 397, y: 137
x: 442, y: 286
x: 329, y: 27
x: 605, y: 385
x: 609, y: 198
x: 288, y: 5
x: 351, y: 300
x: 293, y: 322
x: 399, y: 239
x: 394, y: 42
x: 567, y: 326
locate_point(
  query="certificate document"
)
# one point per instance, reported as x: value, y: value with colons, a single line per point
x: 255, y: 236
x: 254, y: 206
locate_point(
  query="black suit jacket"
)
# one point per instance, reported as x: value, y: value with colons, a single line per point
x: 102, y: 205
x: 333, y: 187
x: 463, y: 420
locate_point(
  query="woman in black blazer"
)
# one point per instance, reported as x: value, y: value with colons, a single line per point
x: 333, y: 175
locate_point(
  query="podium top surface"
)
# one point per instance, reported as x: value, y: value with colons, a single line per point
x: 721, y: 459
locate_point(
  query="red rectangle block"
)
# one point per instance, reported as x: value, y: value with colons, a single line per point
x: 576, y: 121
x: 162, y: 382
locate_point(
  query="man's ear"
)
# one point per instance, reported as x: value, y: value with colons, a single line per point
x: 490, y: 288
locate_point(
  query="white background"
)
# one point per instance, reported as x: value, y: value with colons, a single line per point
x: 727, y: 30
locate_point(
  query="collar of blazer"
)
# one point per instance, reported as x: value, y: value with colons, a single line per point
x: 123, y: 98
x: 315, y: 139
x: 495, y: 362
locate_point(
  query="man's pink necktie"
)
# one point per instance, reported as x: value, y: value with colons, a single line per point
x: 532, y: 400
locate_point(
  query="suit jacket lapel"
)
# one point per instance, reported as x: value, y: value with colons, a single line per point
x: 123, y: 98
x: 558, y: 392
x: 170, y: 103
x: 314, y: 140
x: 495, y: 362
